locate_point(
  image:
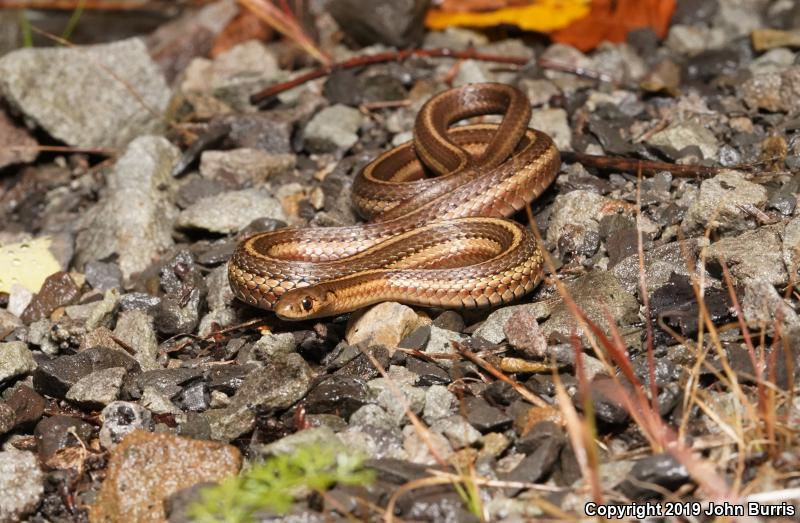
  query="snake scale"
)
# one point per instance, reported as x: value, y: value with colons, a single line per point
x: 436, y: 241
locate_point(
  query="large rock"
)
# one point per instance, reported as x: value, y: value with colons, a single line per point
x: 134, y: 218
x: 96, y: 96
x: 721, y: 200
x: 22, y: 484
x: 397, y: 23
x: 145, y: 469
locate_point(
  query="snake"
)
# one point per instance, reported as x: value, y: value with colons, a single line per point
x: 437, y: 229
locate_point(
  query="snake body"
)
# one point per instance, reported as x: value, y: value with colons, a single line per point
x: 440, y: 241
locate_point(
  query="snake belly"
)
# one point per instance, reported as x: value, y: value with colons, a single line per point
x: 442, y: 241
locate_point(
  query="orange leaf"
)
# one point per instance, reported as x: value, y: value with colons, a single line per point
x: 246, y: 26
x: 612, y: 20
x: 532, y: 15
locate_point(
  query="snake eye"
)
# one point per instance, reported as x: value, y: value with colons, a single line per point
x: 307, y: 304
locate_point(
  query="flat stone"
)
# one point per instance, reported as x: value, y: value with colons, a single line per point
x: 22, y: 484
x: 141, y: 182
x: 15, y: 360
x: 230, y: 211
x: 384, y: 324
x: 588, y: 292
x: 97, y: 389
x: 338, y: 395
x: 88, y: 96
x: 522, y: 332
x: 146, y: 468
x: 135, y: 329
x: 753, y: 254
x: 28, y: 406
x: 681, y: 135
x: 224, y: 84
x: 485, y: 417
x: 332, y: 129
x: 58, y: 290
x: 493, y: 329
x: 58, y: 432
x: 575, y: 210
x: 55, y: 377
x: 244, y: 166
x: 398, y: 23
x: 720, y: 201
x: 554, y: 123
x: 278, y: 385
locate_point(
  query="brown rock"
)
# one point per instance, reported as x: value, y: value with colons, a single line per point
x: 58, y: 290
x: 16, y: 145
x: 522, y: 332
x: 146, y: 468
x: 384, y: 324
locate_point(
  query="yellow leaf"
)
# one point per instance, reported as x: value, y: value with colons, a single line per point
x: 27, y: 264
x: 542, y: 16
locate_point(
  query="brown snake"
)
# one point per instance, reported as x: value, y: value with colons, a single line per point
x: 436, y: 242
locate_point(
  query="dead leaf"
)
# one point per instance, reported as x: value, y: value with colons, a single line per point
x: 531, y: 15
x: 612, y: 20
x: 246, y: 26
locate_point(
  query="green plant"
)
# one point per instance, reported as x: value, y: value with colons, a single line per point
x: 277, y: 482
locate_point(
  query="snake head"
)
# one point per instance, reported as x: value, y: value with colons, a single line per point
x: 305, y: 303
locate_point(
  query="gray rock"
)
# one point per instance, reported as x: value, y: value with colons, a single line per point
x: 103, y: 275
x: 398, y: 23
x: 230, y: 211
x: 659, y: 263
x: 220, y: 301
x: 179, y: 313
x: 439, y: 403
x: 539, y: 91
x: 332, y: 129
x: 791, y: 246
x: 121, y: 418
x: 773, y: 91
x: 441, y: 342
x: 271, y: 345
x: 720, y: 202
x: 55, y: 377
x: 493, y: 328
x: 225, y: 84
x: 289, y: 444
x: 485, y: 417
x: 15, y: 360
x: 371, y: 415
x: 753, y: 254
x: 22, y: 484
x: 392, y: 396
x: 340, y: 395
x: 97, y: 389
x: 135, y: 328
x: 141, y: 184
x: 684, y: 134
x: 598, y: 294
x: 457, y: 430
x: 554, y: 123
x: 574, y: 211
x: 244, y: 166
x: 8, y: 418
x: 762, y: 305
x: 278, y: 385
x: 95, y: 96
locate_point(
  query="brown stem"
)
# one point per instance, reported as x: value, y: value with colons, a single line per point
x: 631, y: 165
x: 266, y: 95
